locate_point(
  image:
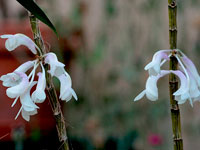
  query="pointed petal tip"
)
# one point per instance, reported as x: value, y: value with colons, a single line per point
x: 140, y: 96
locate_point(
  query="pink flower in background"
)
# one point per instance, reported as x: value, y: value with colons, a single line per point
x: 155, y: 140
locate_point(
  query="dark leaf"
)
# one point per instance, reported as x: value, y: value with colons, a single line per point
x: 31, y: 6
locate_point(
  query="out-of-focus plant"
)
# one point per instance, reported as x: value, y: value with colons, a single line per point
x: 188, y: 76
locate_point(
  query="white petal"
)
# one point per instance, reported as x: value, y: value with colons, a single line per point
x: 67, y: 96
x: 184, y: 84
x: 26, y: 100
x: 193, y: 89
x: 74, y: 94
x: 16, y: 40
x: 141, y: 95
x: 182, y: 101
x: 17, y: 90
x: 25, y: 66
x: 151, y: 97
x: 6, y: 36
x: 10, y: 79
x: 55, y: 65
x: 191, y: 67
x: 154, y: 65
x: 150, y: 65
x: 65, y: 83
x: 26, y: 115
x: 38, y: 96
x: 151, y: 85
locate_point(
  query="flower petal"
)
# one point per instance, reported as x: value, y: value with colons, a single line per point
x: 74, y: 94
x: 154, y: 66
x: 19, y: 89
x: 56, y: 67
x: 191, y: 67
x: 16, y: 40
x: 26, y: 114
x: 39, y: 95
x: 151, y: 85
x: 25, y: 66
x: 10, y: 79
x: 184, y: 84
x: 26, y: 101
x: 141, y: 95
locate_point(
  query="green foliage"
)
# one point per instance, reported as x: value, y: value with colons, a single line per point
x: 31, y: 6
x: 110, y: 8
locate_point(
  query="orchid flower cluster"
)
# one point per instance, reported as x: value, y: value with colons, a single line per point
x: 21, y: 80
x: 189, y: 77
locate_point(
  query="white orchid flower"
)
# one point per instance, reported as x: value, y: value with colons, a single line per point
x: 66, y: 91
x: 193, y: 92
x: 55, y: 65
x: 13, y: 41
x: 39, y: 95
x: 12, y: 79
x: 28, y: 106
x: 154, y: 66
x: 20, y: 84
x: 57, y: 70
x: 151, y: 90
x: 19, y: 89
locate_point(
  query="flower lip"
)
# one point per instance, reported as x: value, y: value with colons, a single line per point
x: 151, y: 90
x: 10, y: 79
x: 17, y: 90
x: 26, y: 101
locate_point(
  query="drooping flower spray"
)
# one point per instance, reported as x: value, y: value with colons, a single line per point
x: 20, y: 81
x: 182, y: 69
x: 53, y: 98
x: 173, y: 81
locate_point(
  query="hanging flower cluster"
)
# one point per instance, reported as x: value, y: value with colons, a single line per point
x: 189, y: 77
x: 20, y: 83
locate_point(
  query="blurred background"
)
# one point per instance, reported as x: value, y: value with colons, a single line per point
x: 105, y: 45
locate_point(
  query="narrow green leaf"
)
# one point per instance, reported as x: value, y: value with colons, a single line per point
x: 31, y: 6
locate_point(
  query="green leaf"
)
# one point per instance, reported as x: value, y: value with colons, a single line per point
x: 31, y: 6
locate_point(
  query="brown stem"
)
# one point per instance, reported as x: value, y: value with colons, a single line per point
x: 51, y: 92
x: 173, y: 81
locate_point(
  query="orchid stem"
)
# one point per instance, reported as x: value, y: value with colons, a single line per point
x: 173, y: 81
x: 51, y: 92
